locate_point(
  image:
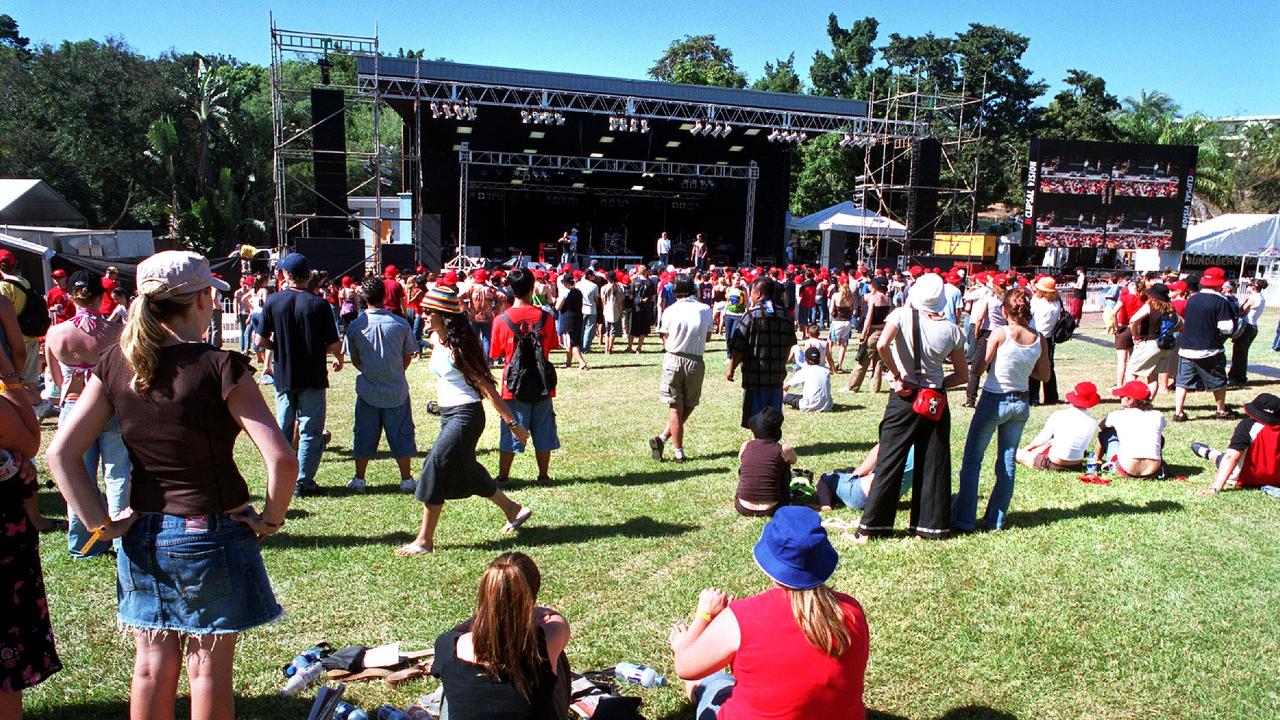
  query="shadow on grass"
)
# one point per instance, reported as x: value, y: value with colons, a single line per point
x: 822, y: 448
x: 540, y: 536
x: 1106, y: 508
x: 257, y: 706
x: 673, y: 474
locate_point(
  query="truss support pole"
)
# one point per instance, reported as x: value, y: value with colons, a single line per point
x: 749, y: 226
x: 464, y: 168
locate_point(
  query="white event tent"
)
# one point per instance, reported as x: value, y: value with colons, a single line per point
x: 846, y: 218
x: 1236, y: 234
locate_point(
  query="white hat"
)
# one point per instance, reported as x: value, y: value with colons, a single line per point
x: 176, y: 272
x: 926, y: 293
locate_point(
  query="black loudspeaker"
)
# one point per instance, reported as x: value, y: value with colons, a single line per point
x: 401, y: 255
x: 329, y: 156
x: 337, y: 256
x: 922, y: 198
x: 430, y: 242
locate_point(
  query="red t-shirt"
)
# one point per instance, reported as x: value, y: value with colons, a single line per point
x: 108, y: 304
x: 780, y: 676
x: 59, y: 297
x: 395, y: 295
x: 1180, y: 306
x: 502, y: 341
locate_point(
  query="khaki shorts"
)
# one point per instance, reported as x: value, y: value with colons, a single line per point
x: 681, y: 380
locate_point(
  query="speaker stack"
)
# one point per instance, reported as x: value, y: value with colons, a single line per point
x: 329, y: 157
x: 922, y: 198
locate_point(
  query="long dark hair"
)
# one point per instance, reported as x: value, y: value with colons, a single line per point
x: 504, y: 634
x: 468, y: 353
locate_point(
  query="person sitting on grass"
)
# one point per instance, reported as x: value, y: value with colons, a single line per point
x: 797, y: 651
x: 764, y: 467
x: 1067, y: 434
x: 1252, y: 457
x: 812, y: 339
x: 850, y: 487
x: 814, y: 380
x: 507, y: 660
x: 1132, y: 437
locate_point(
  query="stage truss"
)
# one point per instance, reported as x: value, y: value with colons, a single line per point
x: 955, y: 121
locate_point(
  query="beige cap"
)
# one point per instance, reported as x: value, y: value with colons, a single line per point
x: 176, y: 272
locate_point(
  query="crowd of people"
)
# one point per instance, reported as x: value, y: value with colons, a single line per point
x: 151, y: 408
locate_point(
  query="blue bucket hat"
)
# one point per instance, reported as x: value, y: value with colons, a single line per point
x: 794, y: 550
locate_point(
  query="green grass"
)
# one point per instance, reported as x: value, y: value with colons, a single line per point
x: 1134, y: 600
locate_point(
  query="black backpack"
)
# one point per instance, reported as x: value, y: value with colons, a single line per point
x: 33, y: 321
x: 1065, y: 328
x: 531, y: 377
x: 1167, y: 339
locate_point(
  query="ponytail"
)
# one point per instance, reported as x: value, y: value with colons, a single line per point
x: 144, y: 331
x: 818, y: 613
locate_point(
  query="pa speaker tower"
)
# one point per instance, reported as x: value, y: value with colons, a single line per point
x: 922, y: 198
x: 329, y: 157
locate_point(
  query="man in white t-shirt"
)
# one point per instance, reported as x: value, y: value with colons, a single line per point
x: 664, y: 249
x: 815, y: 382
x: 685, y: 329
x: 1067, y: 434
x: 590, y: 307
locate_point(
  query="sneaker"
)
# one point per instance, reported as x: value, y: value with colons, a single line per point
x: 1200, y: 450
x: 306, y: 489
x: 680, y: 455
x: 356, y: 484
x: 655, y: 445
x: 408, y: 485
x: 1227, y: 414
x: 544, y: 480
x: 1180, y: 417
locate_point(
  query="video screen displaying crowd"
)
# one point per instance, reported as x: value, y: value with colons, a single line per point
x: 159, y: 404
x: 1068, y: 229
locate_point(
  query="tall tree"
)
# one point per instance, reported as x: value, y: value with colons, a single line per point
x: 846, y: 72
x: 206, y: 99
x: 9, y: 36
x: 1083, y: 111
x: 698, y: 60
x: 780, y: 77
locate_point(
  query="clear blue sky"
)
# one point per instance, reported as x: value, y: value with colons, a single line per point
x: 1217, y: 58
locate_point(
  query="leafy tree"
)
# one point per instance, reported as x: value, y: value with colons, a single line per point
x: 929, y: 59
x: 780, y: 77
x: 206, y: 100
x: 9, y: 36
x: 847, y: 71
x: 698, y: 60
x: 824, y: 174
x: 1083, y: 111
x: 1150, y: 104
x: 164, y: 150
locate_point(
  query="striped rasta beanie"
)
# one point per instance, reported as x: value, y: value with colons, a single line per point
x: 443, y: 299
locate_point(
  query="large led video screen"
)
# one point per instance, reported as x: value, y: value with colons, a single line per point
x: 1122, y: 196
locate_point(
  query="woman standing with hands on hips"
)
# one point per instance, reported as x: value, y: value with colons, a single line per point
x: 463, y: 380
x: 191, y: 576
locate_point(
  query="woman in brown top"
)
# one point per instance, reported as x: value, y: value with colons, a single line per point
x: 878, y: 307
x: 764, y: 467
x: 190, y: 572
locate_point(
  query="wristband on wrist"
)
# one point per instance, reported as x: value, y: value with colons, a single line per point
x: 704, y: 616
x: 268, y: 523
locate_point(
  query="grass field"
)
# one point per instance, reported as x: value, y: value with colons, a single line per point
x: 1134, y: 600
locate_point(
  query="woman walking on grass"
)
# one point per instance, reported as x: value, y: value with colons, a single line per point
x: 1014, y: 353
x: 463, y: 380
x: 878, y: 307
x: 191, y: 576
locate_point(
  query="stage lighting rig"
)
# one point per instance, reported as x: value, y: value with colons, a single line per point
x: 453, y: 110
x: 541, y: 117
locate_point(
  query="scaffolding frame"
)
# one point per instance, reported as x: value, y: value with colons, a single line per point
x: 292, y: 146
x: 953, y: 119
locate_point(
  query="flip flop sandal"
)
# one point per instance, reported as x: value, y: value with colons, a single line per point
x: 521, y: 517
x: 411, y: 550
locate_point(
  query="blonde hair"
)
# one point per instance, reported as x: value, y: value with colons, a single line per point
x: 144, y: 331
x: 818, y: 613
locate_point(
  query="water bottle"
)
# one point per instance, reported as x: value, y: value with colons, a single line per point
x: 638, y: 674
x: 8, y: 466
x: 302, y: 661
x: 303, y: 679
x: 347, y: 711
x: 391, y: 712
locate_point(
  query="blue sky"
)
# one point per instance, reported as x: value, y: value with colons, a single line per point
x: 1218, y: 58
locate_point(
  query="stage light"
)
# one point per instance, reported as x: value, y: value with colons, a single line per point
x: 525, y: 116
x: 634, y: 125
x: 613, y: 124
x: 697, y: 128
x: 644, y: 126
x: 435, y: 109
x: 457, y: 109
x: 725, y: 129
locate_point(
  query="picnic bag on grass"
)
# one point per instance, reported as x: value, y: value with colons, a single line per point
x: 530, y: 377
x: 929, y: 403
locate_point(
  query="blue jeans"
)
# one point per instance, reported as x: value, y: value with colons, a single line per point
x: 109, y: 451
x: 305, y: 407
x: 730, y: 325
x: 588, y: 331
x: 1003, y: 415
x: 712, y: 692
x: 246, y: 333
x: 482, y: 329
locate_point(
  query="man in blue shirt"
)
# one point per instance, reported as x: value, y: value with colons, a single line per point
x: 381, y: 346
x: 298, y: 328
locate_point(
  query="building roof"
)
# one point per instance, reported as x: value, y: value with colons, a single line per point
x: 34, y: 202
x: 653, y: 89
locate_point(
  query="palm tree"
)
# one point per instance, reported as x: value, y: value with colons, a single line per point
x: 1150, y: 104
x: 207, y: 100
x: 163, y: 150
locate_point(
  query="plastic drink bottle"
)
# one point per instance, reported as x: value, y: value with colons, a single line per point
x: 391, y: 712
x: 8, y: 468
x: 347, y: 711
x: 638, y: 674
x: 302, y: 661
x: 303, y: 679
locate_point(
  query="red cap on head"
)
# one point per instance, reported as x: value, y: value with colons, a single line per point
x: 390, y: 271
x: 1214, y: 277
x: 58, y: 273
x: 915, y: 271
x: 420, y: 269
x: 1135, y: 389
x: 8, y: 258
x: 347, y: 281
x: 449, y: 278
x: 480, y: 275
x: 1084, y: 396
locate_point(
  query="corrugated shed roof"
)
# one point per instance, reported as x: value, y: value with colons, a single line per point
x: 652, y: 89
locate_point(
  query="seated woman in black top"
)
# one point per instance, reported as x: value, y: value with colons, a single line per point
x: 496, y: 665
x: 764, y: 467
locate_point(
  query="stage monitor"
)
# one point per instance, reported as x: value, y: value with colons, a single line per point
x: 1120, y: 196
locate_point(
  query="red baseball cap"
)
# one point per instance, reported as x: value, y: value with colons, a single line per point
x: 8, y: 258
x: 480, y: 275
x: 58, y: 273
x: 1135, y: 389
x: 915, y: 271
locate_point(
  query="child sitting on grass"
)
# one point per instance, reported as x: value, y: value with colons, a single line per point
x: 850, y: 487
x: 764, y: 472
x: 814, y: 382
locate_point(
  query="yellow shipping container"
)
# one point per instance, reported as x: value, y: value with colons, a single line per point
x: 964, y: 244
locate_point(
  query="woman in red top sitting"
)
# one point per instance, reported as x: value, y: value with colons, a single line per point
x: 797, y: 650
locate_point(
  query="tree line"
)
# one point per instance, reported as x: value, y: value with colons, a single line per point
x: 182, y: 143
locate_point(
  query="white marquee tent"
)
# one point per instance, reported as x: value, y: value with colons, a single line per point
x: 1236, y: 234
x: 843, y: 219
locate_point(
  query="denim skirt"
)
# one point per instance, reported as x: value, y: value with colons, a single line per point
x: 199, y: 575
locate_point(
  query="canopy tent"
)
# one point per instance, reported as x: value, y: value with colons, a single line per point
x: 34, y: 202
x: 1236, y: 234
x: 848, y: 217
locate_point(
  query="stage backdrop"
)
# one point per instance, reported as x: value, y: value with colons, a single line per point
x: 1122, y: 196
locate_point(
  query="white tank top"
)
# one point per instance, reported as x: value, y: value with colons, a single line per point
x: 451, y: 385
x: 1012, y: 367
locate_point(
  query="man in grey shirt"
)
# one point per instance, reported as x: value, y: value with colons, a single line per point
x: 590, y: 307
x: 382, y: 346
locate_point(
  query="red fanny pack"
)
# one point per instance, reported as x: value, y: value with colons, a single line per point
x: 929, y: 403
